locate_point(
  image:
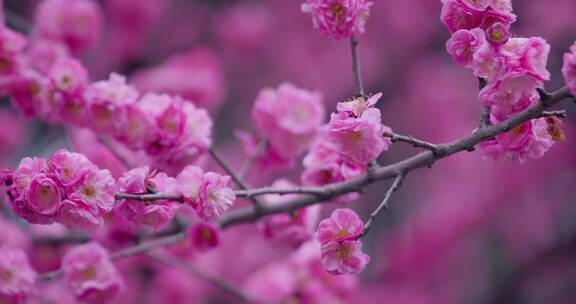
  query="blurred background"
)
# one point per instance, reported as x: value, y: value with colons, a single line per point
x: 468, y: 230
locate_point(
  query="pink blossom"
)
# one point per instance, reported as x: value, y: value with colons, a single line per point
x: 457, y: 16
x: 189, y: 183
x: 107, y: 101
x: 464, y: 43
x: 343, y: 224
x: 491, y: 17
x: 498, y: 34
x: 569, y: 69
x: 215, y: 196
x: 69, y: 167
x: 68, y: 75
x: 356, y: 106
x: 77, y: 23
x: 291, y: 229
x: 527, y: 141
x: 288, y: 117
x: 479, y: 5
x: 338, y: 18
x: 203, y: 236
x: 90, y: 274
x: 96, y: 188
x: 44, y: 53
x: 361, y: 139
x: 510, y: 95
x: 43, y: 195
x: 17, y: 278
x: 344, y: 257
x: 79, y: 214
x: 528, y: 55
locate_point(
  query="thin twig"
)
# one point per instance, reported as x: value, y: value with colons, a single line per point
x: 485, y: 118
x: 16, y: 21
x: 559, y: 114
x: 356, y: 66
x: 148, y: 246
x: 210, y: 278
x: 385, y: 202
x: 150, y: 197
x: 245, y: 170
x: 411, y: 140
x: 239, y: 181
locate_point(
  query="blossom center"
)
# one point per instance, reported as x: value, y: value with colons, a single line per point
x: 338, y: 10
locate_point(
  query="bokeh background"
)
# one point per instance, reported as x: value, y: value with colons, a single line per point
x: 469, y: 230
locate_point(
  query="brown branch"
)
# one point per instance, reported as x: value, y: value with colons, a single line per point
x: 385, y: 202
x: 411, y: 140
x: 216, y: 281
x: 150, y: 197
x: 356, y: 66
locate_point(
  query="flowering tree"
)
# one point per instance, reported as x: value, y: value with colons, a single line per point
x: 138, y: 193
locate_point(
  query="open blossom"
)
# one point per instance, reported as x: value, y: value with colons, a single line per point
x: 338, y: 18
x: 77, y: 23
x: 292, y: 229
x: 529, y: 140
x: 469, y: 14
x: 152, y: 215
x: 215, y: 196
x: 90, y: 274
x: 464, y: 43
x: 569, y: 69
x: 17, y: 278
x: 344, y: 257
x: 288, y: 117
x: 43, y: 195
x: 203, y: 236
x: 68, y: 75
x: 358, y: 139
x: 342, y: 225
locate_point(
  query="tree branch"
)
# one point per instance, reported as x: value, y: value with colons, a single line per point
x: 356, y: 66
x: 411, y: 140
x: 245, y: 170
x: 385, y: 202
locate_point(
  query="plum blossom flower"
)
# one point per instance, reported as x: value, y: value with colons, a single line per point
x: 203, y: 236
x: 457, y: 16
x: 344, y: 257
x: 569, y: 69
x: 288, y: 117
x: 338, y: 18
x: 17, y: 278
x: 43, y: 195
x: 215, y: 196
x: 464, y: 43
x: 358, y: 139
x: 344, y: 224
x: 90, y: 274
x: 68, y: 75
x: 69, y: 167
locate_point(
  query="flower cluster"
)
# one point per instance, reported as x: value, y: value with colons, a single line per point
x: 17, y: 278
x: 288, y: 118
x: 513, y: 68
x: 338, y: 18
x: 569, y: 69
x: 90, y: 274
x: 66, y: 188
x: 292, y: 229
x: 43, y: 80
x: 341, y: 250
x: 207, y: 192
